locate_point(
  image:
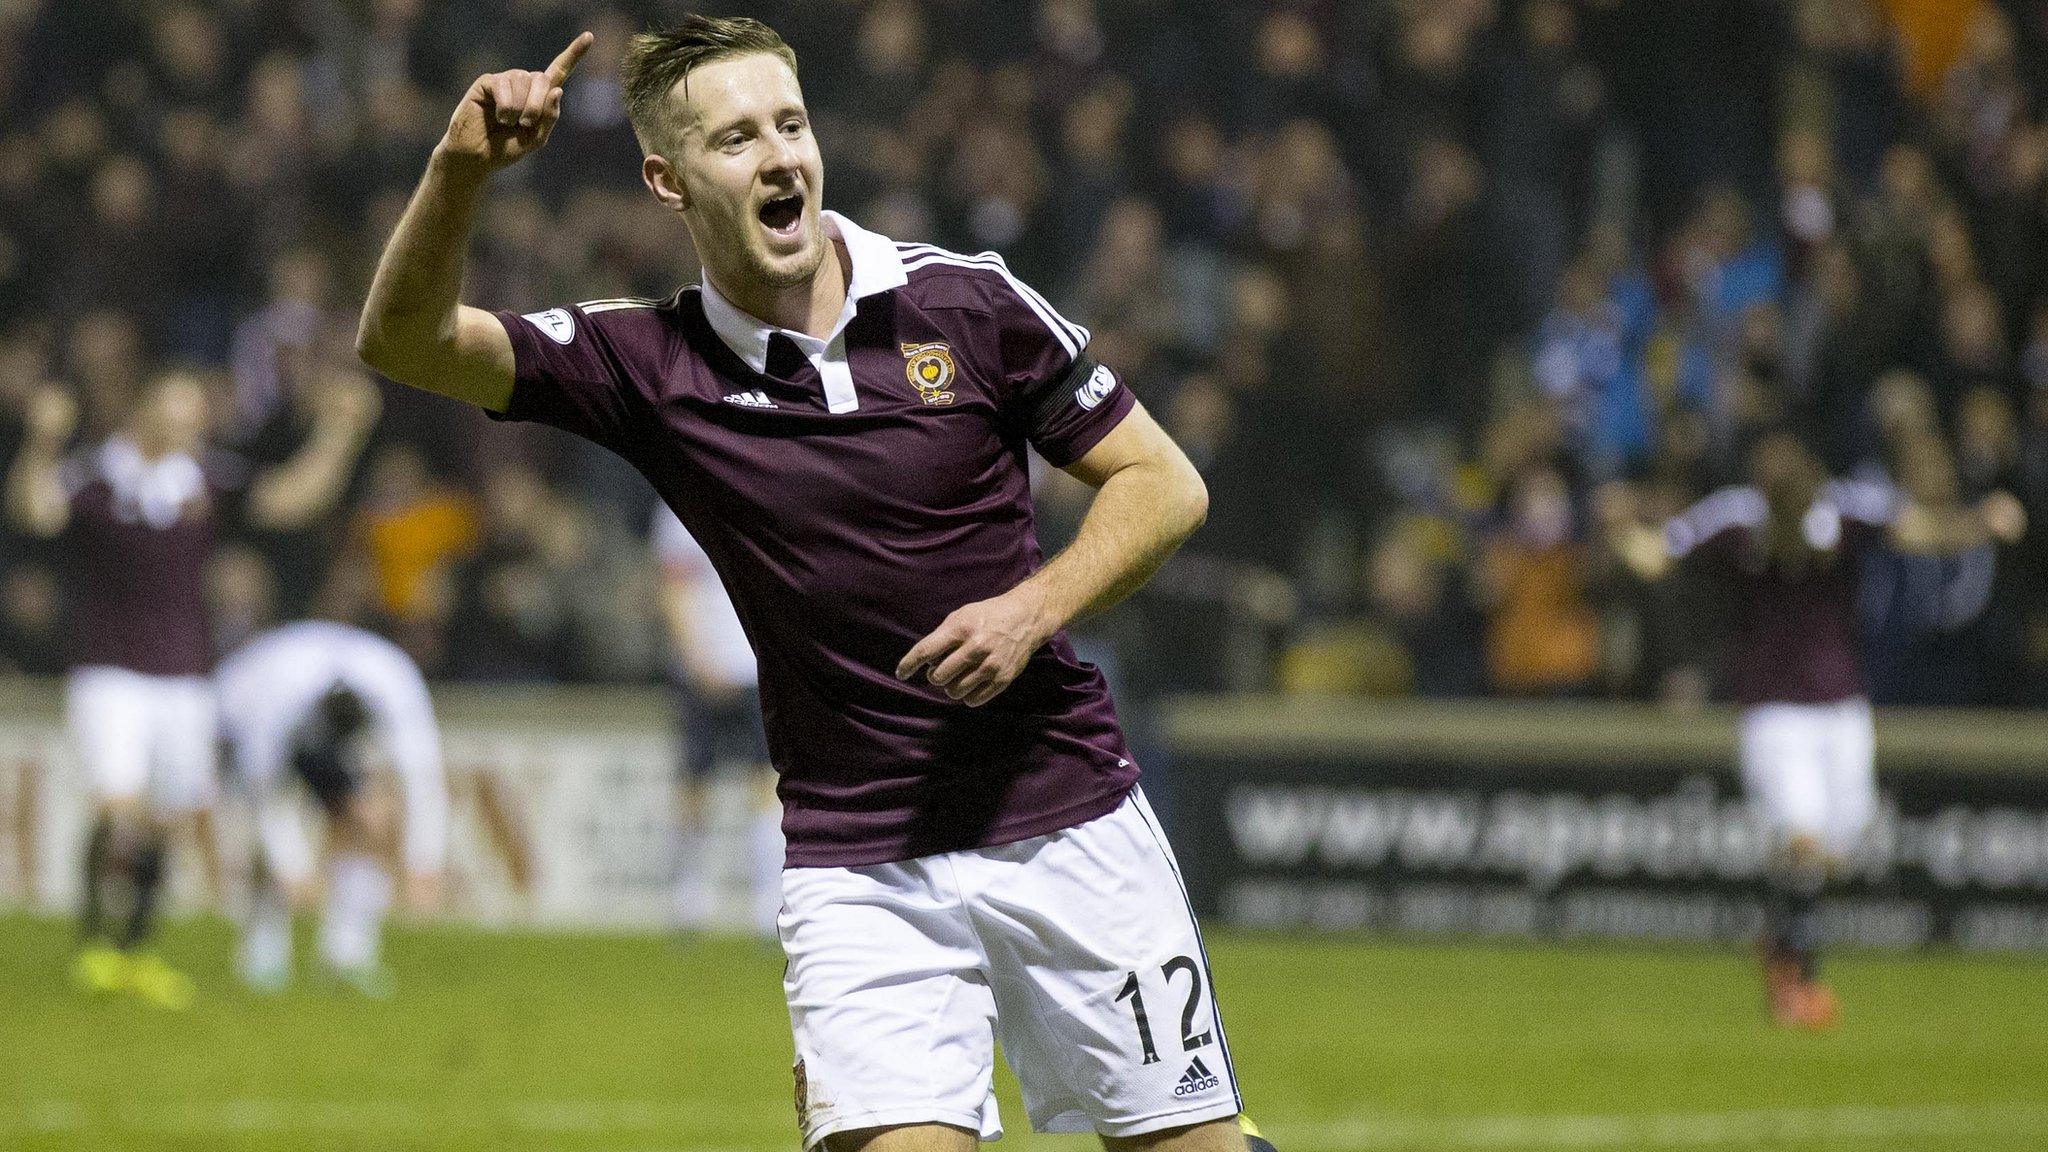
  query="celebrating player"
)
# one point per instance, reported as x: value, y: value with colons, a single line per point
x: 719, y: 707
x: 138, y: 518
x: 300, y: 702
x: 1788, y: 546
x: 841, y: 422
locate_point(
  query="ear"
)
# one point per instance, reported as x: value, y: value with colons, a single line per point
x: 665, y: 182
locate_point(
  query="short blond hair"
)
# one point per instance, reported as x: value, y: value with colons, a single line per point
x: 657, y: 61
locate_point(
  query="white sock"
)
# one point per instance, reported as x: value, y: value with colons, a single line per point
x: 358, y: 895
x: 764, y: 866
x: 265, y: 955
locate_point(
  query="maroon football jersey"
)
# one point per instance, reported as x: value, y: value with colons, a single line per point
x: 1794, y: 631
x: 852, y: 492
x: 136, y: 548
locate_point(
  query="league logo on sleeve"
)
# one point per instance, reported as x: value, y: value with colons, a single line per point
x: 556, y: 322
x: 929, y: 368
x: 1097, y: 389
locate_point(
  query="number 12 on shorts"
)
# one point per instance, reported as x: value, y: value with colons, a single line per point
x: 1189, y: 1038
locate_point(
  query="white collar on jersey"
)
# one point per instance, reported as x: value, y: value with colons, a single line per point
x: 876, y: 268
x: 158, y: 489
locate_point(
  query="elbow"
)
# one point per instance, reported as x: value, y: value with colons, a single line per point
x: 371, y: 347
x: 1194, y: 502
x: 387, y: 344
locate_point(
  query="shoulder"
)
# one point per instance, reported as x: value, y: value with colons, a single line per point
x: 937, y: 278
x: 625, y: 324
x: 354, y: 645
x: 1734, y: 509
x: 1874, y: 502
x: 82, y: 478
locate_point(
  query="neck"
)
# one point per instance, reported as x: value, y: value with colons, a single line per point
x: 150, y: 450
x: 809, y: 306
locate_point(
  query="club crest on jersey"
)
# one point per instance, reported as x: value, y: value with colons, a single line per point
x: 556, y: 322
x: 929, y: 367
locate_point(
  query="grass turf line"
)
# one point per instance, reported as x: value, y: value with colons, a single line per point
x: 582, y: 1043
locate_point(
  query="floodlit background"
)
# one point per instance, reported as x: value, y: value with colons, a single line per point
x: 1408, y: 280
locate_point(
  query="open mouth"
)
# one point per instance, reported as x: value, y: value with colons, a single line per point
x: 782, y: 214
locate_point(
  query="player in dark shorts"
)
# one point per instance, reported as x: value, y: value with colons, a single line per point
x: 718, y: 709
x: 137, y: 519
x: 843, y: 423
x: 1788, y: 547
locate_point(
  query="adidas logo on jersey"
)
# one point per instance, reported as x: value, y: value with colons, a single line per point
x: 750, y: 400
x: 1197, y: 1078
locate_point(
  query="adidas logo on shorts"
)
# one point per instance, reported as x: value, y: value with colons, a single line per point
x: 1197, y: 1078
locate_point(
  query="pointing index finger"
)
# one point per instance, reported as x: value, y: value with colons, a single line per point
x: 566, y: 62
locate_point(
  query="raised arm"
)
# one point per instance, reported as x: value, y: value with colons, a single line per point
x: 1642, y: 549
x: 36, y: 501
x: 308, y: 485
x: 1922, y: 530
x: 1148, y: 499
x: 414, y: 327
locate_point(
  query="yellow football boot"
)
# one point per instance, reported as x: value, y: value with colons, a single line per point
x: 157, y: 983
x: 97, y: 970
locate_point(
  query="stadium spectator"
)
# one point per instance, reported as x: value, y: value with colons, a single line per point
x: 409, y: 527
x: 1350, y: 214
x: 1543, y: 638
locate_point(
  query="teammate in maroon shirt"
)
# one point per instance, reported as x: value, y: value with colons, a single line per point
x: 137, y: 519
x: 842, y: 422
x: 1788, y: 548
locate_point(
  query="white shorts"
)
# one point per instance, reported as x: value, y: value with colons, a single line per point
x: 1078, y: 951
x: 1811, y: 769
x: 144, y: 737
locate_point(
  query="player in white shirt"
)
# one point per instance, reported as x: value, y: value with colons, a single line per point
x: 301, y: 703
x: 718, y: 694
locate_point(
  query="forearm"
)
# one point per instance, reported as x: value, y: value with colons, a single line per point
x: 1643, y: 551
x: 414, y: 298
x: 309, y: 484
x: 1139, y: 516
x: 1920, y: 530
x: 35, y: 496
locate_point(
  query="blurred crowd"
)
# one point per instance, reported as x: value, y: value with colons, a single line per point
x: 1410, y: 280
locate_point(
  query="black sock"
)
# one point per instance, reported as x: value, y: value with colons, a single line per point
x: 1793, y: 918
x: 146, y: 875
x: 99, y: 852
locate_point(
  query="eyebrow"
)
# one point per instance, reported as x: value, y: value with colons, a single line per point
x: 737, y: 121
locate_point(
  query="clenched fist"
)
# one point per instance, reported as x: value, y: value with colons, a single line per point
x: 506, y: 116
x: 2005, y: 518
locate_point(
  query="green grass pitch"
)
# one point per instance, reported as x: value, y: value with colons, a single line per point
x: 518, y: 1042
